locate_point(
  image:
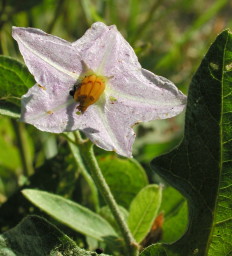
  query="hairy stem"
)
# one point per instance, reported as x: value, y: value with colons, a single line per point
x: 88, y: 153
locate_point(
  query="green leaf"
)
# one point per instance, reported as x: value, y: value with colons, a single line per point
x: 175, y: 210
x: 200, y: 168
x: 71, y: 214
x: 15, y: 80
x: 143, y: 211
x: 36, y: 236
x: 171, y: 201
x: 174, y: 226
x: 125, y: 178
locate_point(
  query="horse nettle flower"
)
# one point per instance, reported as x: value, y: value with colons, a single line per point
x: 95, y: 85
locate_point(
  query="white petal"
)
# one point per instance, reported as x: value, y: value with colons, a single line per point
x: 145, y: 90
x: 146, y: 98
x: 108, y: 52
x: 53, y: 61
x: 46, y: 111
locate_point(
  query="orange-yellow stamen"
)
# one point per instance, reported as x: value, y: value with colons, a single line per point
x: 89, y: 91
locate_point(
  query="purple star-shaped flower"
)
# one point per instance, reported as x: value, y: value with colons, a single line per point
x: 131, y: 94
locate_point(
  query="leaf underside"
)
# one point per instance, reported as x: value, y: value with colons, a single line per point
x: 201, y: 167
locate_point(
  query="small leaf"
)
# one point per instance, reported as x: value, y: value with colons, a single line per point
x: 200, y: 168
x: 175, y: 210
x: 125, y: 178
x: 143, y: 211
x: 174, y: 226
x: 36, y: 236
x: 71, y: 214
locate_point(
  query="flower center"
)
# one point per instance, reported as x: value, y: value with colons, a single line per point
x: 88, y: 91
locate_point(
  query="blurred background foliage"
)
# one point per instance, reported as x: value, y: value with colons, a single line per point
x: 169, y: 37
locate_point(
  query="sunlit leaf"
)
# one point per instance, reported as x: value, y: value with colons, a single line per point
x: 174, y: 226
x: 143, y: 211
x: 71, y: 214
x: 175, y: 210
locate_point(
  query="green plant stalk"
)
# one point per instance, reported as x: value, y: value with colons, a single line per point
x: 130, y: 243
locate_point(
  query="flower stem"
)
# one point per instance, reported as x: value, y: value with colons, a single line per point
x: 88, y: 153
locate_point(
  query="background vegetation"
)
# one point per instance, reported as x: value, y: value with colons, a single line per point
x: 170, y: 39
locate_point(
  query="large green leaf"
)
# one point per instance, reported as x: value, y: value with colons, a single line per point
x: 71, y: 214
x: 34, y: 236
x: 125, y: 177
x: 15, y: 80
x: 143, y: 211
x: 201, y: 167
